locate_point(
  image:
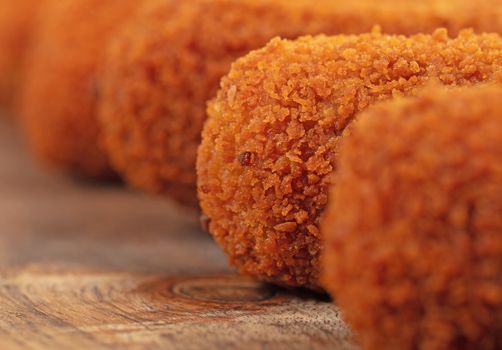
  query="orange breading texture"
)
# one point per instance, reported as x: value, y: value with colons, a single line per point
x: 413, y: 231
x: 17, y: 21
x: 269, y: 146
x: 168, y: 63
x: 58, y: 102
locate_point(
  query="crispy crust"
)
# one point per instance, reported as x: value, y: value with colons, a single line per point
x: 59, y: 97
x: 269, y: 146
x: 413, y: 232
x: 167, y: 64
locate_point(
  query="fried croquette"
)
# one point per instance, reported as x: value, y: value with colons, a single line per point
x: 168, y: 63
x: 163, y: 69
x: 269, y: 145
x: 17, y: 24
x: 413, y: 231
x: 59, y: 96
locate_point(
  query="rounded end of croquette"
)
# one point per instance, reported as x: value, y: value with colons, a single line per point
x: 413, y: 232
x: 269, y: 146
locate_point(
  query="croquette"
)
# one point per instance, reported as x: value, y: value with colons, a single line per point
x: 59, y: 95
x: 413, y: 230
x: 17, y: 25
x: 269, y: 145
x: 170, y: 59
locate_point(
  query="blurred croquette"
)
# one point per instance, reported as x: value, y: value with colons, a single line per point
x: 168, y: 63
x: 163, y: 69
x: 59, y: 96
x: 18, y: 20
x: 413, y: 231
x: 269, y: 145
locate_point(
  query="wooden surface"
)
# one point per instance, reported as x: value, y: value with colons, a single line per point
x: 87, y: 266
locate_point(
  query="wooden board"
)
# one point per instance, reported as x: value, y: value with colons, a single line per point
x: 87, y: 266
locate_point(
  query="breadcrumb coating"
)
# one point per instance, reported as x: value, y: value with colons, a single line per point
x: 59, y: 97
x: 17, y: 23
x: 168, y: 63
x: 413, y: 231
x: 163, y: 69
x: 269, y: 146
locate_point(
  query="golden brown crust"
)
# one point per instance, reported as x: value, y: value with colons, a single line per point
x: 413, y: 232
x: 58, y: 102
x: 268, y: 147
x: 17, y: 21
x: 163, y: 69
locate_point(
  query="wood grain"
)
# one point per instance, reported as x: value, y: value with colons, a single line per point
x: 97, y: 266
